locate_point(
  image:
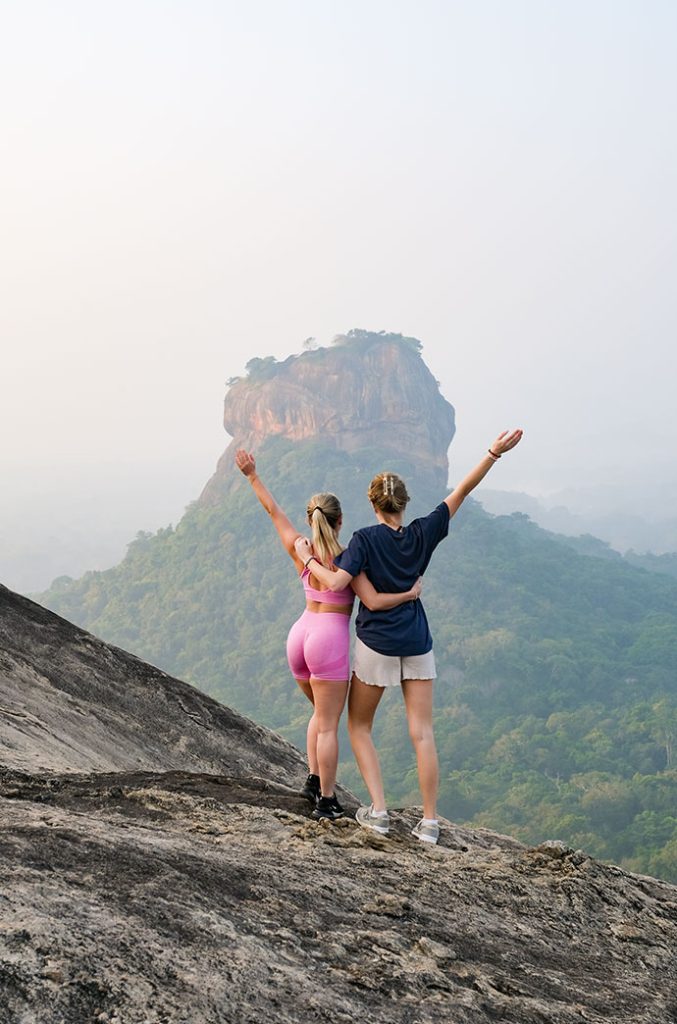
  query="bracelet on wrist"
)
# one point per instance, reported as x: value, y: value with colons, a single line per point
x: 307, y: 563
x: 493, y: 455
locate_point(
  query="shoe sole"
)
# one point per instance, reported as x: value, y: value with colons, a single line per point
x: 424, y: 839
x: 326, y: 817
x: 373, y: 828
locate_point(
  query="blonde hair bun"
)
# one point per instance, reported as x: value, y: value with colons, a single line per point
x: 388, y: 493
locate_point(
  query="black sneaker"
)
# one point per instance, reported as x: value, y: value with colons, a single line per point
x: 311, y: 791
x: 328, y: 807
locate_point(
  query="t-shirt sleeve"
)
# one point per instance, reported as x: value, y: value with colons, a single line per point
x: 438, y: 522
x: 354, y: 558
x: 434, y: 528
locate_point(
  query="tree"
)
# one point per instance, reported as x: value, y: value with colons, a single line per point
x: 261, y: 368
x: 664, y: 726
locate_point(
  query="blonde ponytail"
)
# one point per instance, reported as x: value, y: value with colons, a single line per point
x: 324, y: 513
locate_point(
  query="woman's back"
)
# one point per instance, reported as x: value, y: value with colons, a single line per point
x: 338, y: 597
x: 393, y: 559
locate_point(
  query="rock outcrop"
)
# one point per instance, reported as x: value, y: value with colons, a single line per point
x: 191, y: 899
x: 368, y: 391
x: 71, y: 703
x: 172, y: 875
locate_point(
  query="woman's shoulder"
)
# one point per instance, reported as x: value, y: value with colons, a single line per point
x: 368, y: 531
x: 439, y: 513
x: 366, y: 536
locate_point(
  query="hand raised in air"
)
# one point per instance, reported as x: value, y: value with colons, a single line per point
x: 507, y: 440
x: 245, y: 462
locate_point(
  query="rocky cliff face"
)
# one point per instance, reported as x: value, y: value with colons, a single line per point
x: 368, y: 391
x: 159, y: 867
x: 72, y: 703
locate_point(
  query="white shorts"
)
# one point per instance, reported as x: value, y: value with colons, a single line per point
x: 387, y: 670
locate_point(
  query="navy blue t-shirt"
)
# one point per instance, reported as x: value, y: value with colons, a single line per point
x: 393, y: 560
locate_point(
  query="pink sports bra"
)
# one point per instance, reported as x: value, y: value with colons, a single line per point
x: 345, y: 596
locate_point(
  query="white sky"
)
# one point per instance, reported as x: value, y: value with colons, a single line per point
x: 184, y: 185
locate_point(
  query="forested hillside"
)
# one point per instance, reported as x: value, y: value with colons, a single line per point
x: 557, y: 692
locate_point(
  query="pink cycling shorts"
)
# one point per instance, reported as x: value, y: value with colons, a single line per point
x: 318, y: 646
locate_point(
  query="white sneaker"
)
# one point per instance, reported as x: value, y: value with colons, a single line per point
x: 376, y: 822
x: 426, y: 833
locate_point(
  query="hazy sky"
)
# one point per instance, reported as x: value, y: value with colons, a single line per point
x: 187, y: 184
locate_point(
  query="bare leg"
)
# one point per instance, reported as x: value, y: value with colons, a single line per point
x: 418, y: 699
x: 364, y: 700
x: 311, y: 732
x: 330, y: 699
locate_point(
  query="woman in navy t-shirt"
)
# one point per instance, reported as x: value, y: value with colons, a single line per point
x: 394, y: 647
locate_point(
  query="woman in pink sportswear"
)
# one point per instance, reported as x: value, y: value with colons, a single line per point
x: 318, y: 642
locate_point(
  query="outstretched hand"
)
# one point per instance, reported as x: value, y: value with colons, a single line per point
x: 245, y: 462
x: 303, y: 549
x: 507, y: 440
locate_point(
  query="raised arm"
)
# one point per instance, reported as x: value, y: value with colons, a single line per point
x: 376, y: 602
x: 247, y: 465
x: 503, y: 443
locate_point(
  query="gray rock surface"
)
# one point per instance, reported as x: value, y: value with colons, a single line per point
x: 70, y: 702
x: 177, y: 897
x: 178, y: 879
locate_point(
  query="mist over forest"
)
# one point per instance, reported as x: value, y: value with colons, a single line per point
x: 347, y: 237
x: 509, y: 200
x: 70, y: 518
x: 556, y: 704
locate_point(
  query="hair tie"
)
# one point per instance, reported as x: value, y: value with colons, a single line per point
x: 388, y: 485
